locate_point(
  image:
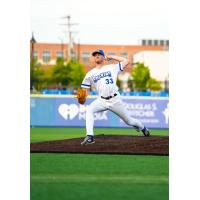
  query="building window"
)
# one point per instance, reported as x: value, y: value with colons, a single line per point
x: 59, y: 54
x: 46, y: 56
x: 124, y: 54
x: 162, y: 42
x: 155, y: 42
x: 111, y: 54
x: 86, y: 56
x: 144, y: 42
x: 167, y: 42
x: 149, y: 42
x: 35, y: 55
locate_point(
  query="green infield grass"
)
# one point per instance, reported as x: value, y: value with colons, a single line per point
x: 97, y: 177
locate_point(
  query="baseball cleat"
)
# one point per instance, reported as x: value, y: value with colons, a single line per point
x: 88, y: 140
x: 146, y: 132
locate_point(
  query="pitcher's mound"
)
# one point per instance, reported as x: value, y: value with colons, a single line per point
x: 107, y: 144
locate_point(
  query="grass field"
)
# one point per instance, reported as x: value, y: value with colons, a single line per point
x: 96, y: 177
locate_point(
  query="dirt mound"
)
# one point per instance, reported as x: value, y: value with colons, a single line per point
x: 107, y: 144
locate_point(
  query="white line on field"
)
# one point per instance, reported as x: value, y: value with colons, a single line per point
x: 99, y: 178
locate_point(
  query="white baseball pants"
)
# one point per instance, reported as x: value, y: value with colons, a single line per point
x: 115, y: 105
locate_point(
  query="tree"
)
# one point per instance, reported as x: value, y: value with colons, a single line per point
x: 36, y: 74
x: 68, y: 74
x: 61, y: 73
x: 47, y: 78
x: 154, y: 85
x: 141, y: 76
x: 131, y: 83
x: 77, y: 73
x: 118, y: 82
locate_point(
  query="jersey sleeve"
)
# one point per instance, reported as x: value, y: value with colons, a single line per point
x: 86, y: 82
x: 119, y: 67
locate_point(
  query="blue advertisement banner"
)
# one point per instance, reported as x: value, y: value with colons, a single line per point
x: 65, y: 111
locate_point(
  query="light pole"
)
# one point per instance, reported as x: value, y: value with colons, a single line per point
x: 68, y: 25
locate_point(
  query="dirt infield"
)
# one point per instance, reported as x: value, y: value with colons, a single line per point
x: 107, y: 144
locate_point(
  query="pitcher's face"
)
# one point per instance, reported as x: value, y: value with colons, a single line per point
x: 98, y: 58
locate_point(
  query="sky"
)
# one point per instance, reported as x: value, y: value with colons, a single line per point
x: 100, y: 22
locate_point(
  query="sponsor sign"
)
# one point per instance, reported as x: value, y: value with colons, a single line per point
x: 65, y: 111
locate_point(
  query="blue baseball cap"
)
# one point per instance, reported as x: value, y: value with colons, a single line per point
x: 99, y: 51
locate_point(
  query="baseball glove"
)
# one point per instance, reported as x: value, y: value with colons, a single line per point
x: 81, y: 95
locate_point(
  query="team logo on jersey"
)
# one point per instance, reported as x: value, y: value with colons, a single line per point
x: 101, y: 75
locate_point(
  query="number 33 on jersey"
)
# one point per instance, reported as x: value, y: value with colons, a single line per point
x: 109, y: 81
x: 103, y: 79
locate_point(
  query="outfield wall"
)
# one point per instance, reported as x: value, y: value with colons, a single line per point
x: 63, y: 110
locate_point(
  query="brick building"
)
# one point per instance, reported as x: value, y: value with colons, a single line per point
x: 47, y: 53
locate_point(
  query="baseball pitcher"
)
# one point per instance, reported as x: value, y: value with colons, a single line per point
x: 103, y: 78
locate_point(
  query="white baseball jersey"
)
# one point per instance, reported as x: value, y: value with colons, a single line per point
x: 103, y: 79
